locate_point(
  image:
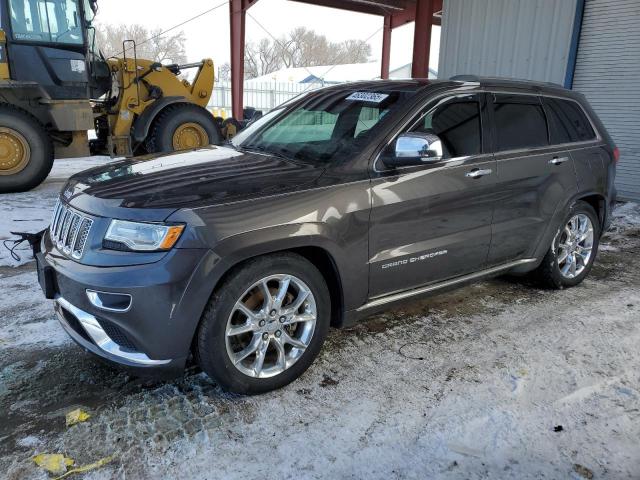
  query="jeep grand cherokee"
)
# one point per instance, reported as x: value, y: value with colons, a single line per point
x: 339, y: 203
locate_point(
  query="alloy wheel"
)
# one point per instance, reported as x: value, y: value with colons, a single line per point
x: 270, y: 326
x: 575, y: 246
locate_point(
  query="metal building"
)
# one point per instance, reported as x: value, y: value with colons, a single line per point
x: 608, y: 73
x: 592, y: 46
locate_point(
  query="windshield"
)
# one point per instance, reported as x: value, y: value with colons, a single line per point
x: 330, y: 126
x: 51, y: 21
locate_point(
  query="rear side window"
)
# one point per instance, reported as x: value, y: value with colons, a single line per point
x: 567, y: 122
x: 457, y: 124
x: 520, y: 122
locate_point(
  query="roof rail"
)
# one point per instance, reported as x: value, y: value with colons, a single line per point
x: 479, y: 79
x: 465, y: 78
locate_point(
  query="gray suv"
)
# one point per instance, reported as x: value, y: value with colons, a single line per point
x: 337, y: 204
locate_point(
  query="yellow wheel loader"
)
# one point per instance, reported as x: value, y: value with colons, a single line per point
x: 55, y: 85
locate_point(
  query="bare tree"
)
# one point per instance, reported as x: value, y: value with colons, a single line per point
x: 150, y: 44
x: 261, y: 58
x: 301, y: 48
x: 224, y: 72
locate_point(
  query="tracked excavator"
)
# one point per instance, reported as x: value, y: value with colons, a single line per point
x: 55, y: 86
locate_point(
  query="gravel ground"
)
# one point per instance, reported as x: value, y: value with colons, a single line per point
x: 496, y: 380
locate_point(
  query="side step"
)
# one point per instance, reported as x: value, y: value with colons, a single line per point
x: 394, y: 297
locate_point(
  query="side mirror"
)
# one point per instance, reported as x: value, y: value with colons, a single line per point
x: 413, y: 149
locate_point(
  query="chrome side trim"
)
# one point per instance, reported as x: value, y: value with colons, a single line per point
x: 100, y: 337
x: 94, y: 298
x: 448, y: 283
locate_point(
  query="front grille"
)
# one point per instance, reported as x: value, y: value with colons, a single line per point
x: 69, y: 230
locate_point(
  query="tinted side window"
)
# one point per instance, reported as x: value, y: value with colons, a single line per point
x: 520, y: 122
x: 567, y: 122
x: 457, y: 124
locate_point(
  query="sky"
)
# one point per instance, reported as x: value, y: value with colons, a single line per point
x: 208, y: 36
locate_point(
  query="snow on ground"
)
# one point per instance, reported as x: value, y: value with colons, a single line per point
x: 31, y: 211
x: 495, y: 380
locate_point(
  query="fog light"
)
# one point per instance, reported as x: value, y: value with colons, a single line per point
x: 111, y: 302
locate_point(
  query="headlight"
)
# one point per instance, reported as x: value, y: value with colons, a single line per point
x: 143, y: 236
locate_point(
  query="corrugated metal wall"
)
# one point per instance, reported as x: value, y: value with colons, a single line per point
x: 608, y: 73
x: 507, y: 38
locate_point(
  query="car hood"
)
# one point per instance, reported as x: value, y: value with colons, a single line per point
x: 152, y: 187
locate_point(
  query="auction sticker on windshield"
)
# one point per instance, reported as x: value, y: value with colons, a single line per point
x: 371, y: 97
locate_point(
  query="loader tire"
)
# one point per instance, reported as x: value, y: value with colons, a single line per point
x: 182, y: 127
x: 26, y: 151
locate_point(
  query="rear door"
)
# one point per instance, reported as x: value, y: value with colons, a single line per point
x: 569, y: 125
x: 534, y: 178
x: 433, y: 222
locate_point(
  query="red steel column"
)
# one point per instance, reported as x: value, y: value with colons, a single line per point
x: 422, y: 39
x: 237, y: 21
x: 386, y: 47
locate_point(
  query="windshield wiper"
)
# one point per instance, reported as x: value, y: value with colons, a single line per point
x: 268, y: 151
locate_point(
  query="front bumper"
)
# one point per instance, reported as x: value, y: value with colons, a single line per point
x: 86, y: 330
x: 156, y: 330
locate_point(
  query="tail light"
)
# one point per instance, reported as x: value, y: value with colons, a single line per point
x: 616, y: 155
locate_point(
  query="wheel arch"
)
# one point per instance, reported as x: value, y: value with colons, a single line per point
x: 599, y: 204
x: 594, y: 199
x: 316, y: 254
x: 24, y: 109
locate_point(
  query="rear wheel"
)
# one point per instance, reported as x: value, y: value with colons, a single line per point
x: 182, y: 127
x: 265, y: 325
x: 26, y: 152
x: 574, y: 248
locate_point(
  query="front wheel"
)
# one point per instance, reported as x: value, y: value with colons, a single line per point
x: 182, y: 127
x: 574, y: 248
x: 265, y: 325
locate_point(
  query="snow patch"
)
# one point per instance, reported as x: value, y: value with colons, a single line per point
x: 31, y: 211
x: 30, y: 441
x: 26, y: 318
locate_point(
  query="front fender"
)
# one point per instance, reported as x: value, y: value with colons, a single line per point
x: 351, y: 270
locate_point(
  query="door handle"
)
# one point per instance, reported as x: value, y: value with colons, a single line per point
x: 558, y: 160
x: 477, y: 173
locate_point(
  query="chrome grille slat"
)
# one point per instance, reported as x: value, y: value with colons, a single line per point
x: 56, y: 211
x: 61, y: 215
x: 69, y: 230
x: 81, y: 240
x: 64, y: 231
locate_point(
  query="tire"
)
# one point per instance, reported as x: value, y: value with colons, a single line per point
x: 177, y: 116
x: 550, y: 272
x: 214, y: 346
x: 27, y: 138
x: 231, y: 127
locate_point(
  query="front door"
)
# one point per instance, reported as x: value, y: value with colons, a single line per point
x: 433, y: 222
